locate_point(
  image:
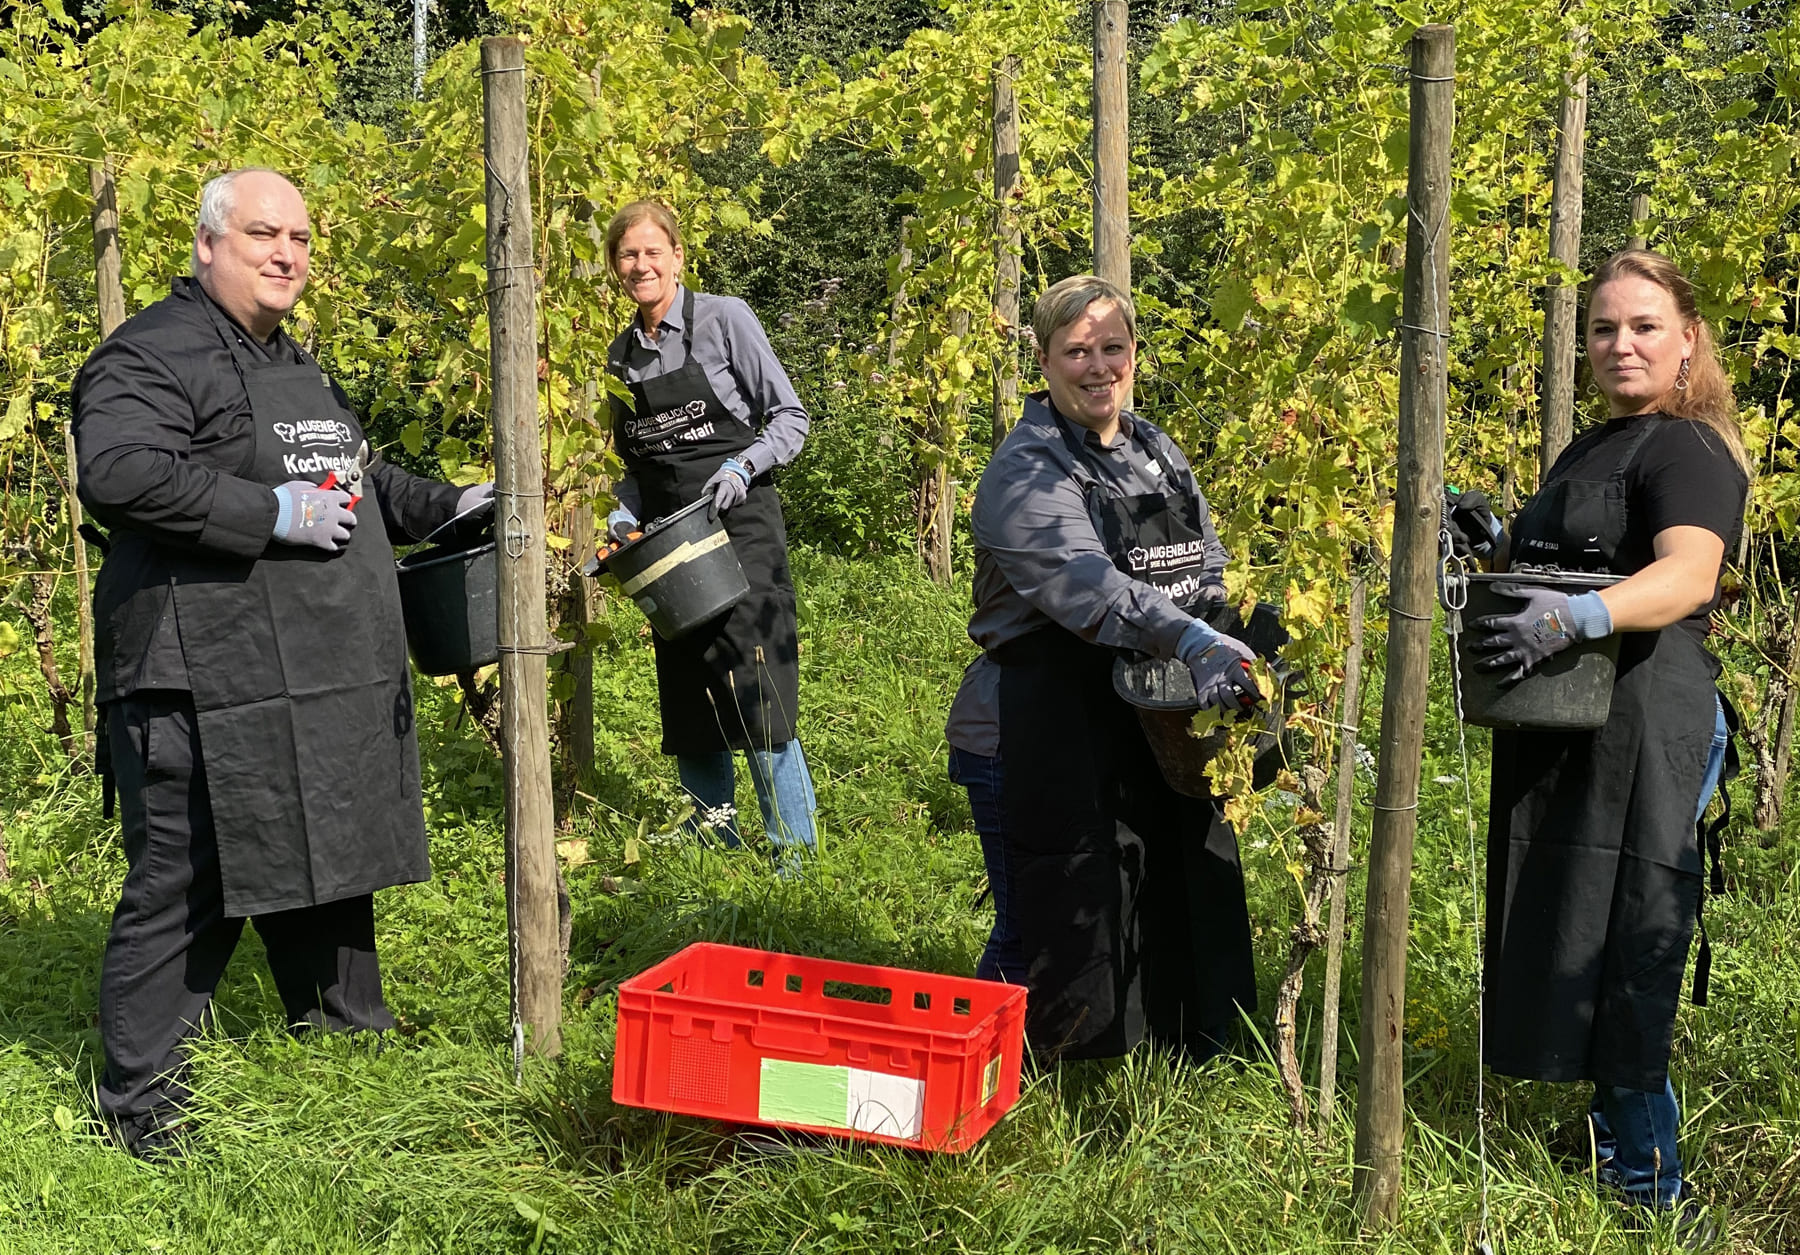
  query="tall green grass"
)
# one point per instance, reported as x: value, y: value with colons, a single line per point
x: 423, y: 1142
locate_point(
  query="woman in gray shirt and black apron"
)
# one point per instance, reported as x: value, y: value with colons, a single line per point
x: 712, y: 414
x: 1124, y: 911
x: 1594, y: 866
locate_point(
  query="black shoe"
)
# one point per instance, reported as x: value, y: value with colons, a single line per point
x: 1690, y: 1223
x: 166, y: 1143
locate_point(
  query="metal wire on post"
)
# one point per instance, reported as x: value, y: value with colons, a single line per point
x: 1453, y: 586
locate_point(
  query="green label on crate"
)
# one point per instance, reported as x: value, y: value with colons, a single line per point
x: 804, y: 1093
x: 841, y: 1098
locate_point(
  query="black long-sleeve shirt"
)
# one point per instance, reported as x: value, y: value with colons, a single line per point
x: 159, y: 408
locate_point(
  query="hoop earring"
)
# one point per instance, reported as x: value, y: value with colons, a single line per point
x: 1593, y: 389
x: 1681, y: 377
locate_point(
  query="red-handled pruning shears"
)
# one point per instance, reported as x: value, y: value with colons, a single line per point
x: 352, y: 480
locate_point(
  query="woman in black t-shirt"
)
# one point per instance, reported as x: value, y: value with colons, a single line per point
x: 1594, y: 870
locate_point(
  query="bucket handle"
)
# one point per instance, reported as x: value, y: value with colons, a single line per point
x: 486, y: 503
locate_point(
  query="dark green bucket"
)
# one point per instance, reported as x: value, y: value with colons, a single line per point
x: 1572, y: 691
x: 1163, y: 693
x: 450, y: 600
x: 682, y: 572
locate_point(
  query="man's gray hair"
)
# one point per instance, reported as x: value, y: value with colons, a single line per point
x: 217, y: 199
x: 1066, y: 300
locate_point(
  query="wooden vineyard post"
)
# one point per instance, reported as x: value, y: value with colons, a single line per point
x: 578, y: 711
x: 1349, y: 708
x: 1112, y: 207
x: 1773, y: 737
x: 420, y: 10
x: 107, y: 288
x: 1425, y: 328
x: 1509, y: 474
x: 903, y: 266
x: 536, y: 961
x: 1557, y: 388
x: 1640, y: 214
x: 1006, y: 246
x: 952, y: 418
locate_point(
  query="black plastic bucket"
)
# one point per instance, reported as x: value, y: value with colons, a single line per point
x: 682, y: 572
x: 1573, y: 690
x: 450, y: 598
x: 1163, y: 693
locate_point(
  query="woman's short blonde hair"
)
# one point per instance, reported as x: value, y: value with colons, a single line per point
x: 1066, y: 300
x: 628, y: 217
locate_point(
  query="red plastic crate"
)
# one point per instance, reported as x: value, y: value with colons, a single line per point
x: 879, y: 1054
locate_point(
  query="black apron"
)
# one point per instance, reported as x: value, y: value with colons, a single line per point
x: 733, y: 683
x: 297, y: 664
x: 1594, y: 872
x: 1130, y: 897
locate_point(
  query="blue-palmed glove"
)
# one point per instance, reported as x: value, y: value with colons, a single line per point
x: 1548, y: 623
x: 728, y: 487
x: 473, y: 498
x: 1220, y: 665
x: 620, y: 524
x: 306, y: 514
x: 1469, y: 518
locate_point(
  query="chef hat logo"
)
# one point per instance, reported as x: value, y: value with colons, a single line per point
x: 1139, y: 558
x: 696, y: 409
x: 285, y: 431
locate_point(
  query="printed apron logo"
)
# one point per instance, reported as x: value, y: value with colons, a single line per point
x: 348, y: 466
x: 1165, y: 558
x: 313, y: 431
x: 659, y: 433
x: 654, y: 426
x: 1178, y: 569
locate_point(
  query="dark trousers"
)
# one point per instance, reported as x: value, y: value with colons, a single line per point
x: 1128, y: 898
x: 1003, y: 958
x: 171, y: 938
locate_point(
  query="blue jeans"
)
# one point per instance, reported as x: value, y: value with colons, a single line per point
x: 1004, y: 957
x: 1634, y: 1130
x: 784, y: 790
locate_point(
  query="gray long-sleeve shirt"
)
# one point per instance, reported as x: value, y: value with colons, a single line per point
x: 740, y: 364
x: 1039, y: 559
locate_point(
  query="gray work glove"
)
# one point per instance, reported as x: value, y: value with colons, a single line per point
x: 1220, y: 665
x: 307, y: 514
x: 1549, y: 622
x: 1469, y: 518
x: 728, y: 487
x: 474, y: 498
x: 620, y: 525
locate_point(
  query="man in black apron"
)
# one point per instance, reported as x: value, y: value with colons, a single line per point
x: 1093, y: 539
x: 251, y: 667
x: 732, y: 685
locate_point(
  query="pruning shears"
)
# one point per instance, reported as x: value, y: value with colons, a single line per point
x: 353, y: 478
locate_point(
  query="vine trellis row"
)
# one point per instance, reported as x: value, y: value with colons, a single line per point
x: 1269, y: 230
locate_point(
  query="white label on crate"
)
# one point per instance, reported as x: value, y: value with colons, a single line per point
x: 841, y: 1098
x: 990, y: 1080
x: 893, y: 1106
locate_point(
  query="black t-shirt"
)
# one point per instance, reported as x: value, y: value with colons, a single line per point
x: 1683, y: 476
